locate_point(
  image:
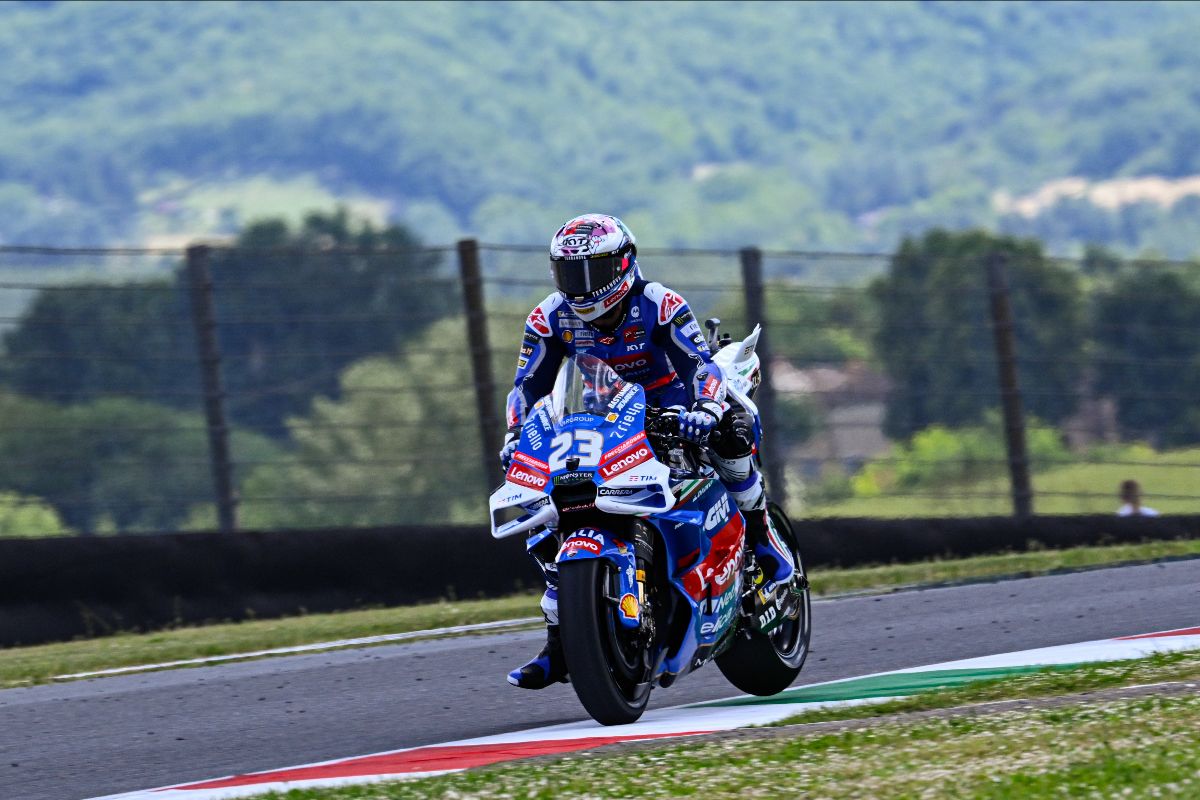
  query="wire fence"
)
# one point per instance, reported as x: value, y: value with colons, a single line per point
x: 158, y: 390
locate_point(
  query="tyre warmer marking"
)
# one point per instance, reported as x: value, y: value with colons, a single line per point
x: 690, y: 720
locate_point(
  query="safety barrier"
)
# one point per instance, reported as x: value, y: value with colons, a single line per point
x: 60, y: 588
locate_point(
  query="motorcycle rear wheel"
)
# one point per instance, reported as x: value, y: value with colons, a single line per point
x: 603, y: 660
x: 766, y: 664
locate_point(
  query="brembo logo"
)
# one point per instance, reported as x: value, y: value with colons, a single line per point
x: 622, y: 464
x: 526, y: 477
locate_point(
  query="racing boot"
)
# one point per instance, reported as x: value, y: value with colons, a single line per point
x: 545, y: 668
x: 773, y: 555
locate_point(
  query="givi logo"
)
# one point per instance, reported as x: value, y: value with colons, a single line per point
x: 622, y: 464
x: 520, y: 474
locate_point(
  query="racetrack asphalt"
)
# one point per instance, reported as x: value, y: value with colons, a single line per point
x: 109, y: 735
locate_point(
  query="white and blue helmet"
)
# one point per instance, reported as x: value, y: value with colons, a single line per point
x: 593, y: 260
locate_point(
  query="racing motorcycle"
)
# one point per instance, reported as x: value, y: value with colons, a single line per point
x: 655, y: 574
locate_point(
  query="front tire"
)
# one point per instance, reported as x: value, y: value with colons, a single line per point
x: 766, y: 664
x: 605, y: 663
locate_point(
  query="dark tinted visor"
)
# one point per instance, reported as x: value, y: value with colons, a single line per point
x: 580, y: 277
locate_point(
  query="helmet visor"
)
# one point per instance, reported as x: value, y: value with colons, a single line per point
x: 581, y: 277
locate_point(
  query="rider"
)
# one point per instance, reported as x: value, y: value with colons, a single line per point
x: 648, y: 335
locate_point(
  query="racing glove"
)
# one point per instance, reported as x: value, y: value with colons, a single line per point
x: 698, y: 422
x: 510, y: 446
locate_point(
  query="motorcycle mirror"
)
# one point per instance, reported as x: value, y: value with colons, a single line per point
x: 712, y: 323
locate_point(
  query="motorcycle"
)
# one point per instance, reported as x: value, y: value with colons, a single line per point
x: 655, y: 574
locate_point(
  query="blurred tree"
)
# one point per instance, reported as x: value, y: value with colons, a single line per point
x: 293, y: 309
x: 112, y: 463
x: 935, y: 340
x: 410, y: 455
x: 29, y: 518
x: 1148, y: 352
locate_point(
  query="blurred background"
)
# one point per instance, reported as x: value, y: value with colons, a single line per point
x: 322, y: 360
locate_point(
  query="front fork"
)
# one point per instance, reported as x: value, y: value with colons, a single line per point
x: 766, y: 604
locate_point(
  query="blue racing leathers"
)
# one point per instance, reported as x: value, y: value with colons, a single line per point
x: 658, y: 344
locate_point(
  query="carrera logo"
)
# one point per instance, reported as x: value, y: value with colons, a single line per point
x: 627, y: 462
x: 537, y: 321
x: 531, y: 461
x: 526, y: 477
x: 571, y: 545
x: 623, y: 447
x: 671, y: 303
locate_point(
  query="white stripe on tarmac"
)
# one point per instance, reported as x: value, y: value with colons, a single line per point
x: 306, y: 648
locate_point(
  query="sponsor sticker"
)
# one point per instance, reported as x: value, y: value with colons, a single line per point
x: 623, y: 463
x: 531, y: 461
x: 520, y: 474
x: 629, y: 606
x: 579, y: 543
x: 671, y: 303
x: 522, y: 362
x: 634, y: 333
x: 526, y: 350
x: 567, y: 336
x: 537, y: 321
x: 684, y: 319
x: 690, y: 329
x: 531, y: 339
x: 623, y: 447
x: 611, y: 417
x: 608, y: 339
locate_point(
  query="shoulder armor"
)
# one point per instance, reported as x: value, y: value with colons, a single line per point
x: 667, y: 302
x: 539, y: 319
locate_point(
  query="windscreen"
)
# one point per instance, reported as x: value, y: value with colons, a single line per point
x: 585, y: 385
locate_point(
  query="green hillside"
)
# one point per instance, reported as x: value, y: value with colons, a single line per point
x: 790, y: 125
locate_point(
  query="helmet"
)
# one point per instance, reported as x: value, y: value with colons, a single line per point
x: 593, y: 259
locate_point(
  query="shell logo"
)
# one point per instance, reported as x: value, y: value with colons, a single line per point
x: 629, y: 607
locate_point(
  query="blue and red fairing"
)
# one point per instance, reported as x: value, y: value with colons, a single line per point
x: 658, y: 345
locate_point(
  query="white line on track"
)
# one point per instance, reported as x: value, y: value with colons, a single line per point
x: 307, y: 648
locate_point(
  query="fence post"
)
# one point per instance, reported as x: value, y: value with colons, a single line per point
x: 486, y: 407
x: 204, y: 319
x: 764, y: 397
x: 1004, y: 336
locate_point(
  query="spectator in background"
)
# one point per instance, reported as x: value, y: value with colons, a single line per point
x: 1131, y: 496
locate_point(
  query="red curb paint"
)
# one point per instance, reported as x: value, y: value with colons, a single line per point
x: 425, y: 759
x: 1160, y: 634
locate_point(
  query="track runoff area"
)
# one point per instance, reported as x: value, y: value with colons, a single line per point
x: 681, y: 721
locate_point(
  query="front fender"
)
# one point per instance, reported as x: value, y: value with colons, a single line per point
x: 596, y: 543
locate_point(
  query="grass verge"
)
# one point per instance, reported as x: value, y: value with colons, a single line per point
x: 1139, y: 747
x: 37, y: 664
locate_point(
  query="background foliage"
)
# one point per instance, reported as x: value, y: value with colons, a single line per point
x: 839, y: 125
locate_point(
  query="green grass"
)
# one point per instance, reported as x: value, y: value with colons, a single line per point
x: 1169, y: 473
x: 1129, y: 748
x: 38, y: 664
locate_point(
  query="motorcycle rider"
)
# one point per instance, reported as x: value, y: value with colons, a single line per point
x: 648, y: 335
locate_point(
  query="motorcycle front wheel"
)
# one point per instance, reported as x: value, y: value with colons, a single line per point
x: 606, y: 662
x: 766, y: 664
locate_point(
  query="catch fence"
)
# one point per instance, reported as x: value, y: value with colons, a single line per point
x: 222, y: 387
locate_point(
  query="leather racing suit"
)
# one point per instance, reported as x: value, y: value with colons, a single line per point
x: 659, y: 345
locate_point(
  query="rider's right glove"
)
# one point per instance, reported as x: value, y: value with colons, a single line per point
x: 510, y: 446
x: 697, y: 423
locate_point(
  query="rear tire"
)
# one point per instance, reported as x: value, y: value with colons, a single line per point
x: 766, y: 664
x: 605, y: 666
